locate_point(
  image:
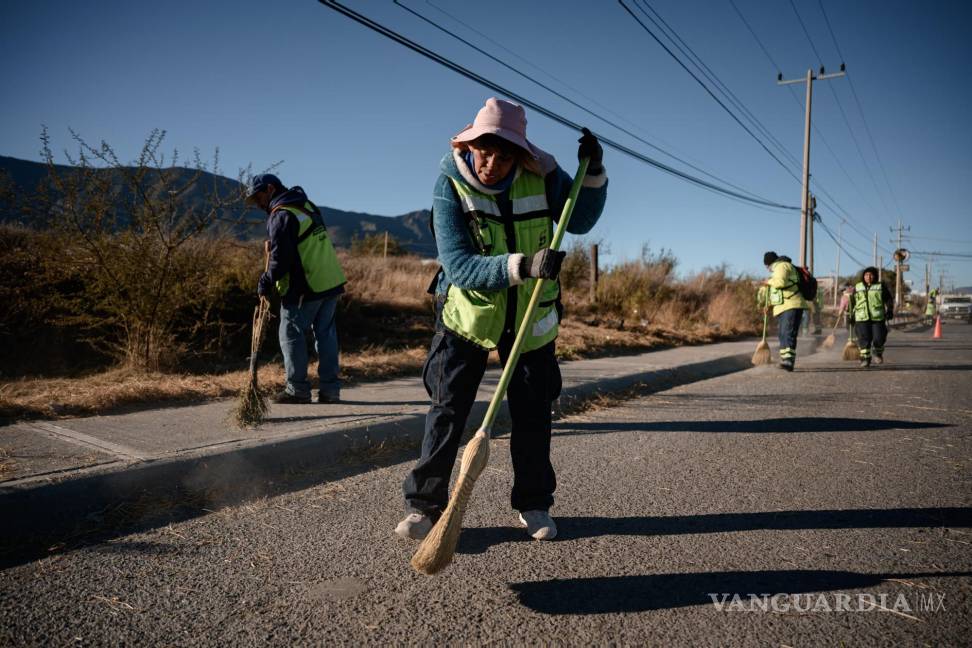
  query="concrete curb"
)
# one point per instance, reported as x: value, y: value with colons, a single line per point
x: 98, y: 503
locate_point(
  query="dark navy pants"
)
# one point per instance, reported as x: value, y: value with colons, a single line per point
x: 452, y: 373
x: 871, y: 336
x: 789, y: 323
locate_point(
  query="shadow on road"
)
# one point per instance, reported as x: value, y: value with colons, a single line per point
x: 478, y: 540
x: 665, y: 591
x: 772, y: 426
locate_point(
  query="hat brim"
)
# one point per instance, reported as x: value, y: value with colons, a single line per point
x: 471, y: 132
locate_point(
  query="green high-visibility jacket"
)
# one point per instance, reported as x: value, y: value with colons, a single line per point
x: 784, y: 288
x: 317, y: 256
x: 480, y: 315
x: 869, y: 303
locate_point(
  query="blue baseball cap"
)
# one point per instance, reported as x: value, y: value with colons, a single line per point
x: 260, y: 182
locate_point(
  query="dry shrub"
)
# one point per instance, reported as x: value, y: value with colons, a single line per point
x: 399, y: 280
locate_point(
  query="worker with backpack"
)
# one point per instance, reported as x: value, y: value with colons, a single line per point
x: 789, y: 290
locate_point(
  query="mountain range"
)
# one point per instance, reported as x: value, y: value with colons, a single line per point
x: 410, y: 230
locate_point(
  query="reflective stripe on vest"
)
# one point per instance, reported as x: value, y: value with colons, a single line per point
x: 479, y: 315
x: 317, y: 256
x: 868, y: 303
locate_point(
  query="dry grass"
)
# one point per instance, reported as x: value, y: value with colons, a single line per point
x: 120, y: 388
x: 385, y: 324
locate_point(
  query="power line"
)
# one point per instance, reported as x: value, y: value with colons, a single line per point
x: 708, y: 91
x: 837, y: 242
x: 568, y: 99
x: 860, y: 109
x: 438, y: 58
x: 709, y: 74
x: 849, y: 219
x: 840, y: 106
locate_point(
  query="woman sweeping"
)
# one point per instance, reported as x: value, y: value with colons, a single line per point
x: 493, y: 210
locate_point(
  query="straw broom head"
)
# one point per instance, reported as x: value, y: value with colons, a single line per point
x: 850, y: 351
x: 251, y: 407
x: 829, y: 341
x: 436, y: 551
x: 762, y: 355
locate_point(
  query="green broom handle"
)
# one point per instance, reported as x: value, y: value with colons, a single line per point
x: 764, y: 325
x: 504, y: 380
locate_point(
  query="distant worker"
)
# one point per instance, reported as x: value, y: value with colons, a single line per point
x: 846, y: 305
x: 787, y: 302
x: 931, y: 306
x: 873, y: 309
x: 306, y: 272
x: 494, y: 206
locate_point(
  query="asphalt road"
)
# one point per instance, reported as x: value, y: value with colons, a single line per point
x: 842, y: 495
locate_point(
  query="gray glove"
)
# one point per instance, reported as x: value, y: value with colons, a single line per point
x: 545, y: 264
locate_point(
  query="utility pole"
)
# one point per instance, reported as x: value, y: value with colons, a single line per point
x: 805, y: 197
x: 875, y: 249
x: 813, y: 218
x: 898, y: 259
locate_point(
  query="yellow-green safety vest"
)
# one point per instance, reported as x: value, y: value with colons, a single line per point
x: 479, y: 315
x: 317, y: 256
x: 868, y: 303
x: 777, y: 296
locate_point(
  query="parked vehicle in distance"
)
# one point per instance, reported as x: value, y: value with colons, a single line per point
x: 956, y: 307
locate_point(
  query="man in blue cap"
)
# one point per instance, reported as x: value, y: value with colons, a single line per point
x: 306, y: 272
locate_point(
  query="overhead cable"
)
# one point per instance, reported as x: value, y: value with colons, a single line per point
x: 860, y: 109
x: 708, y: 91
x: 568, y: 99
x: 438, y: 58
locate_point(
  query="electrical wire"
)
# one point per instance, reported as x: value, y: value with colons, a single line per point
x: 813, y: 181
x: 568, y: 99
x: 438, y: 58
x: 860, y: 109
x: 708, y: 91
x: 709, y: 74
x: 840, y: 107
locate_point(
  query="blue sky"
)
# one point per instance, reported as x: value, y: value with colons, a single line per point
x: 361, y: 122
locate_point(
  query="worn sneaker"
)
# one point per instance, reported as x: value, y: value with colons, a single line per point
x: 328, y: 398
x: 539, y: 524
x: 865, y: 363
x: 786, y: 366
x: 415, y: 526
x: 286, y: 398
x: 878, y: 359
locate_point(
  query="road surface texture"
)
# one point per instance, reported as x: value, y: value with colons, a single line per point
x: 831, y: 506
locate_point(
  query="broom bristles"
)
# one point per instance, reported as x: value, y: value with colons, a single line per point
x: 829, y: 341
x: 251, y: 407
x: 436, y: 551
x: 762, y: 354
x: 850, y: 351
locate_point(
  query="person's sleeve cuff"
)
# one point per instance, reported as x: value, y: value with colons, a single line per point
x: 513, y: 263
x: 595, y: 181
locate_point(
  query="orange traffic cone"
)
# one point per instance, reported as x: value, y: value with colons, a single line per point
x: 938, y: 328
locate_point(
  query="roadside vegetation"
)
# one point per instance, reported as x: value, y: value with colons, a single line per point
x: 130, y: 285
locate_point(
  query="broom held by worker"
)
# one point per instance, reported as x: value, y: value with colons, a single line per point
x: 494, y: 206
x: 873, y: 309
x: 787, y: 302
x: 304, y: 269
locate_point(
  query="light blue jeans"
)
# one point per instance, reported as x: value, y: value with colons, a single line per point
x: 295, y: 322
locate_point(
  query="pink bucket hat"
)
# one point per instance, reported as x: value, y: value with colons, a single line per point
x: 501, y: 118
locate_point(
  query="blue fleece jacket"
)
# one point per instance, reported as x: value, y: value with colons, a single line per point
x: 462, y: 265
x: 283, y: 230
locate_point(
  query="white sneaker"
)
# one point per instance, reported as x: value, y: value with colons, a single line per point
x: 539, y: 524
x: 415, y: 526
